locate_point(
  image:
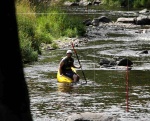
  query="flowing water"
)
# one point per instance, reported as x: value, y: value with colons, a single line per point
x: 113, y: 91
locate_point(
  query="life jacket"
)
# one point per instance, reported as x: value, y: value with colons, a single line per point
x: 68, y: 63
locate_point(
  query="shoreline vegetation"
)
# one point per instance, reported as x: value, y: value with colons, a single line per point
x: 41, y: 26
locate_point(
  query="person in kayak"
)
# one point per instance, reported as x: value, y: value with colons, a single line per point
x: 65, y: 67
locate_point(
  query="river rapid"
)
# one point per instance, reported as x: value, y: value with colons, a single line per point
x: 113, y: 91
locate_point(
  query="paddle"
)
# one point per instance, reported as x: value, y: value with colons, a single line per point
x: 79, y: 61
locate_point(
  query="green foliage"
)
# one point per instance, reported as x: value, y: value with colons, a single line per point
x: 74, y: 26
x: 28, y: 53
x: 54, y: 45
x: 44, y: 27
x: 111, y: 2
x: 141, y: 3
x: 26, y: 26
x: 43, y: 30
x: 71, y: 32
x: 137, y: 3
x: 56, y: 23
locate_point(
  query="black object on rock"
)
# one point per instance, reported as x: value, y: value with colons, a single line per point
x: 105, y: 62
x: 125, y: 62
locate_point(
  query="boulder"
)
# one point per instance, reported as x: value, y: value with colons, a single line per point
x: 115, y: 62
x: 143, y: 20
x: 144, y: 52
x: 95, y: 22
x: 126, y: 20
x: 125, y: 62
x: 107, y: 62
x: 144, y: 11
x: 104, y: 19
x: 87, y: 22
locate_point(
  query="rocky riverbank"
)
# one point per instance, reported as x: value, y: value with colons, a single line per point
x: 65, y: 43
x: 104, y: 27
x: 103, y: 30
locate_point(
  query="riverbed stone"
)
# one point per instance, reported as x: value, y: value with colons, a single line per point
x: 144, y: 11
x: 89, y: 116
x: 143, y: 20
x: 126, y: 20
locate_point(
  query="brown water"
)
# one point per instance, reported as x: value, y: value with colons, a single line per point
x: 105, y: 92
x: 115, y: 92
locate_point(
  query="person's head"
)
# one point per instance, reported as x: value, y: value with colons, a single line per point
x: 69, y: 53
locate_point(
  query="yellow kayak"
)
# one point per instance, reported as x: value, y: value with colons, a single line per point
x: 63, y: 78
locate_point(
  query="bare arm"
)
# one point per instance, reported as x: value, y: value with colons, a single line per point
x: 60, y: 67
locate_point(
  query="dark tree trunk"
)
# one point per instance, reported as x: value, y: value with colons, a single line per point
x: 14, y: 97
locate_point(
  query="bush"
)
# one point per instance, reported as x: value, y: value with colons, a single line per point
x: 28, y: 53
x: 26, y: 27
x: 35, y: 29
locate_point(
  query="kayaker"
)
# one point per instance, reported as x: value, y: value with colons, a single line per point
x: 65, y: 67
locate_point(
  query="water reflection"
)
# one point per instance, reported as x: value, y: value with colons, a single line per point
x: 106, y: 91
x: 65, y: 87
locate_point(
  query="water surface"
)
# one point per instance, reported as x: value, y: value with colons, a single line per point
x: 116, y: 92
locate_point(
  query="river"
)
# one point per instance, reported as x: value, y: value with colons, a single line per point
x: 115, y: 92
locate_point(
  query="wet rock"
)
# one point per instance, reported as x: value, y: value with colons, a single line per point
x: 95, y: 22
x: 104, y: 19
x: 144, y: 52
x: 143, y: 20
x: 82, y: 3
x: 115, y: 62
x: 96, y: 2
x: 85, y: 3
x: 144, y: 11
x: 88, y: 116
x: 68, y: 3
x: 126, y: 20
x: 79, y: 41
x: 87, y: 22
x: 125, y: 62
x: 107, y: 62
x: 142, y: 31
